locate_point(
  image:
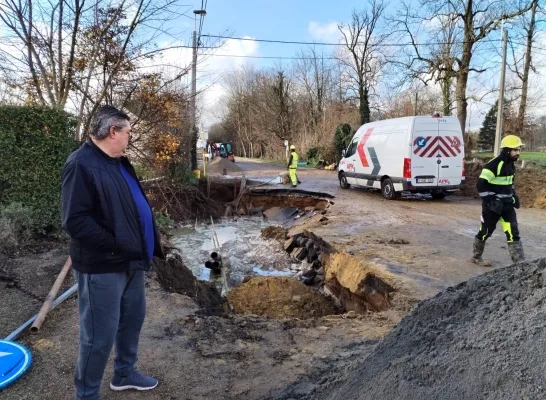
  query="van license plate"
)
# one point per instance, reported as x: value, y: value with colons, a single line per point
x: 425, y: 180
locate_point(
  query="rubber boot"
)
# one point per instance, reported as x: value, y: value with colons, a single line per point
x: 477, y: 251
x: 516, y: 251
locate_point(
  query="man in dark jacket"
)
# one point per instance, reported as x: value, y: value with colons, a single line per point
x: 113, y: 237
x: 499, y: 201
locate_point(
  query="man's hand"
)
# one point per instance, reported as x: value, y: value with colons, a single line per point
x: 516, y: 201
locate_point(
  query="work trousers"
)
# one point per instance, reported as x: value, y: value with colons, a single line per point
x: 112, y: 309
x: 507, y: 219
x: 293, y: 176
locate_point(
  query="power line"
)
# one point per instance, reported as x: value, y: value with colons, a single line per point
x: 339, y: 44
x: 269, y: 57
x: 201, y: 19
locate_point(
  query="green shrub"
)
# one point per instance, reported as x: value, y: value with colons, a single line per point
x: 15, y: 224
x: 34, y: 145
x: 342, y: 137
x: 181, y: 173
x: 313, y: 153
x: 163, y: 220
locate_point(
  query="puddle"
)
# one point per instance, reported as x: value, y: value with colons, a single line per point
x: 266, y: 180
x: 240, y: 245
x: 261, y: 272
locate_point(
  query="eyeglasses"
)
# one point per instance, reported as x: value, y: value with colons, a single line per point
x: 121, y: 128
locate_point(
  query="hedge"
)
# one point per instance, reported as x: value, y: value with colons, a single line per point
x: 34, y: 145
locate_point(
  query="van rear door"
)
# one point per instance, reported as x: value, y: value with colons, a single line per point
x: 424, y: 167
x: 450, y: 155
x: 437, y: 151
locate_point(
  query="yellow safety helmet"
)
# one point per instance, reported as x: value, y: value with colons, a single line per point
x: 292, y: 147
x: 511, y: 142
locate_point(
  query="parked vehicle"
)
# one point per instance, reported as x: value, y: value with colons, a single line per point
x: 226, y: 150
x: 422, y: 154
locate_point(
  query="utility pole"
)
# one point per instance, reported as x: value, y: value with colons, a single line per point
x: 500, y: 104
x: 193, y: 107
x: 416, y: 101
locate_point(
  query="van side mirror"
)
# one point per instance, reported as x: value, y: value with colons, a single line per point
x: 343, y: 152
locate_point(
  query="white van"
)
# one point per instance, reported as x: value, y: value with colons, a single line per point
x: 410, y: 154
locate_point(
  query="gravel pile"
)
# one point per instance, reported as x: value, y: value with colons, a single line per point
x: 483, y: 339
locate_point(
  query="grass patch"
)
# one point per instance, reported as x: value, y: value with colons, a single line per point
x: 525, y: 155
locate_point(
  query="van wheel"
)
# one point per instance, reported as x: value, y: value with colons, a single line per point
x: 343, y: 181
x: 438, y: 195
x: 387, y: 188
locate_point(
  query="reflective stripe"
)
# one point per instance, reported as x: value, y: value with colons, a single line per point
x: 502, y: 196
x: 487, y: 175
x: 502, y: 180
x: 483, y: 194
x: 507, y: 228
x: 499, y: 167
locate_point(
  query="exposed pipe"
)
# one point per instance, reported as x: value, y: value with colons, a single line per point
x: 15, y: 334
x: 50, y: 297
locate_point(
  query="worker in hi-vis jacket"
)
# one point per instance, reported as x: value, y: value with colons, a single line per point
x: 293, y: 166
x: 499, y: 201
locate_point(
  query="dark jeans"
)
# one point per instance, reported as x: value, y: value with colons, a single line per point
x: 112, y: 308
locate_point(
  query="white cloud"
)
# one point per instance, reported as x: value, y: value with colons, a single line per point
x: 212, y: 67
x: 324, y: 32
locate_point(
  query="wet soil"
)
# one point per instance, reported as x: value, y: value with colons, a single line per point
x: 202, y: 357
x: 424, y: 244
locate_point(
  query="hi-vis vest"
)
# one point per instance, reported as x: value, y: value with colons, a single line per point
x: 499, y: 184
x: 295, y: 159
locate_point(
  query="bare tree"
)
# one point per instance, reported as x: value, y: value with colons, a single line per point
x: 528, y: 24
x: 81, y: 50
x: 47, y: 53
x: 314, y: 73
x: 279, y: 107
x: 474, y: 20
x: 363, y: 38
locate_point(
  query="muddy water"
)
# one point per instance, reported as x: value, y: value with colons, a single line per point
x: 242, y: 249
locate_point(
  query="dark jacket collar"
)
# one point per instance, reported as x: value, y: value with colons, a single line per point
x: 93, y: 146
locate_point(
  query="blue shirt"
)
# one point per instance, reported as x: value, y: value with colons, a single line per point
x: 144, y: 211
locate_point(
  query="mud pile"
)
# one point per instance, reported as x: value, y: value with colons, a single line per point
x: 274, y: 232
x: 483, y: 339
x: 358, y: 286
x: 218, y: 165
x: 540, y: 201
x: 174, y: 276
x: 531, y: 187
x: 279, y: 297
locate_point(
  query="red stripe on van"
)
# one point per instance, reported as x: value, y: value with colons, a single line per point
x: 446, y: 145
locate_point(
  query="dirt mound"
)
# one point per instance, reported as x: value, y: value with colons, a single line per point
x: 357, y: 284
x: 540, y: 201
x: 483, y: 339
x: 174, y: 276
x: 218, y: 165
x: 274, y: 232
x: 279, y: 297
x: 531, y: 186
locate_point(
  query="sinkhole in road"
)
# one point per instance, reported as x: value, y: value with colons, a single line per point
x: 268, y: 263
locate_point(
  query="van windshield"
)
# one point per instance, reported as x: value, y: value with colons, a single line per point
x: 352, y: 148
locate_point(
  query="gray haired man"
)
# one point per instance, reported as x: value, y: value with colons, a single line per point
x: 113, y: 237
